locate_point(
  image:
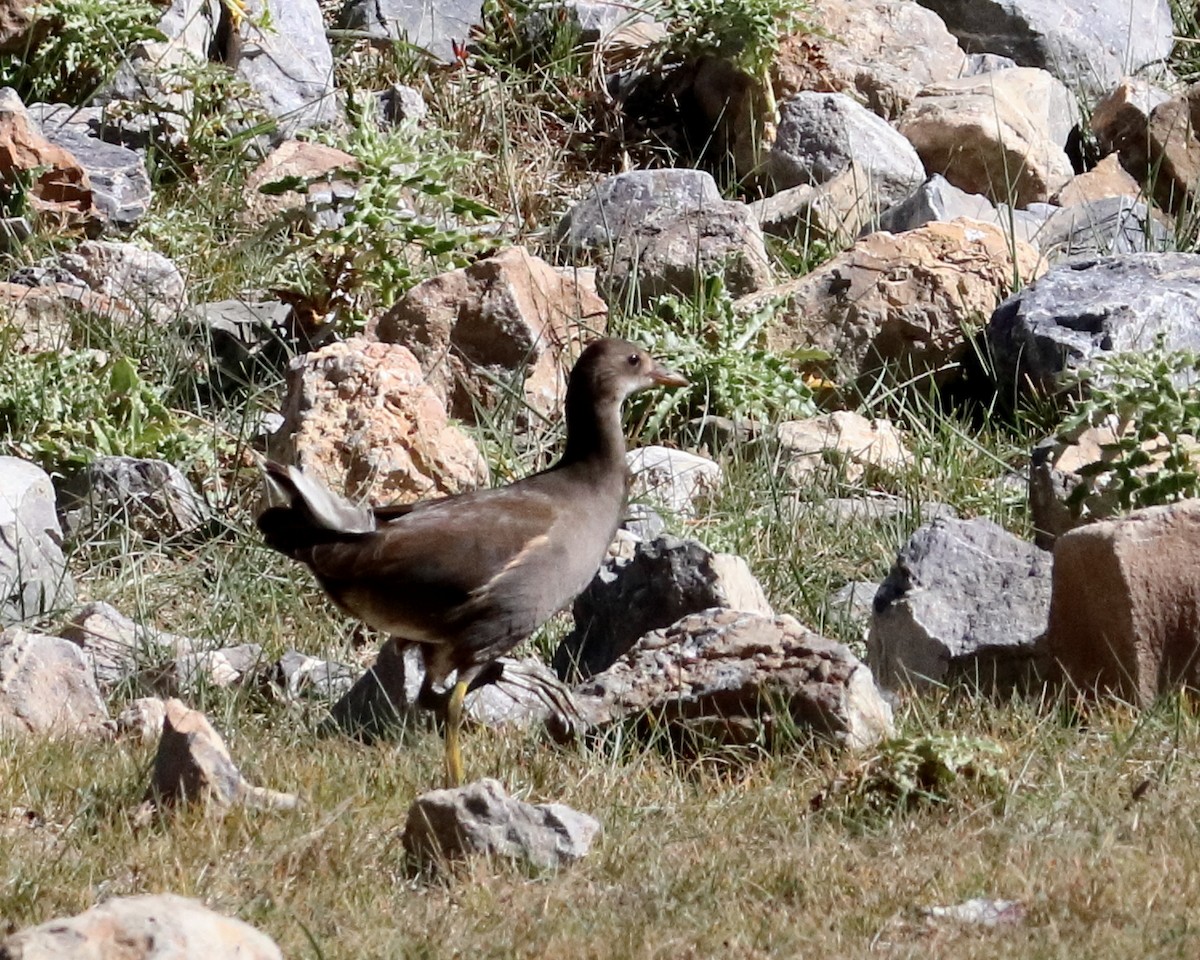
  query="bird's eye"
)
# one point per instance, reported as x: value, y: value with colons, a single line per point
x: 633, y: 359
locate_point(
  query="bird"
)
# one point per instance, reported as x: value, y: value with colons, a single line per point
x: 467, y: 577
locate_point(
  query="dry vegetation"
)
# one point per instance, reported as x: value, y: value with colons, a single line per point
x: 1089, y: 820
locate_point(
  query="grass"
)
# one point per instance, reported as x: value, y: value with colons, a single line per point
x: 1091, y: 822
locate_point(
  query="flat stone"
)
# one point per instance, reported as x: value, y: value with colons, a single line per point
x: 46, y: 687
x: 672, y: 480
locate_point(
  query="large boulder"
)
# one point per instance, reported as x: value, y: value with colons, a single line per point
x: 441, y: 28
x: 33, y: 573
x: 1125, y: 604
x: 964, y: 601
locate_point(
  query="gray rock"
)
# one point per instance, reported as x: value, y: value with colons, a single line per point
x: 853, y: 601
x: 400, y: 103
x: 1089, y: 46
x: 939, y: 200
x: 222, y: 667
x: 980, y: 63
x: 665, y: 579
x: 598, y: 18
x: 482, y: 819
x: 1079, y: 310
x: 14, y: 231
x: 1112, y: 225
x: 249, y: 342
x: 33, y: 574
x: 618, y: 205
x: 142, y: 719
x: 193, y: 765
x: 160, y: 926
x: 298, y: 675
x: 821, y: 134
x: 114, y: 494
x: 731, y: 678
x: 965, y: 600
x: 673, y: 480
x: 46, y: 687
x: 119, y: 180
x: 143, y: 278
x: 432, y: 25
x: 289, y: 65
x: 118, y: 649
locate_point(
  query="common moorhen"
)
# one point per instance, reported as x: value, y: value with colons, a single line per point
x: 468, y: 577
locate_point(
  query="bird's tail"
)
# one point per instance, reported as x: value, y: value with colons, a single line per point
x: 306, y: 513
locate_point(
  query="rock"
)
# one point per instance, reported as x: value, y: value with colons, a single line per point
x: 434, y: 27
x: 42, y: 317
x: 293, y: 160
x: 598, y: 19
x: 482, y: 819
x: 112, y: 495
x: 142, y: 719
x: 1001, y: 135
x: 1077, y: 311
x: 60, y: 187
x: 1125, y: 603
x: 244, y: 343
x: 160, y: 926
x: 222, y: 667
x: 401, y: 103
x: 46, y: 687
x: 847, y: 443
x: 1120, y: 120
x: 666, y: 579
x: 511, y: 319
x: 193, y: 765
x: 964, y: 601
x: 853, y: 602
x: 821, y: 134
x: 728, y: 677
x: 360, y: 417
x: 675, y: 252
x: 1114, y: 225
x: 117, y: 175
x: 896, y: 300
x: 1088, y: 46
x: 616, y: 205
x: 673, y: 480
x: 15, y: 21
x: 1107, y: 179
x: 119, y: 650
x: 939, y: 200
x: 146, y: 280
x: 34, y: 579
x: 289, y: 65
x: 881, y: 52
x: 297, y: 675
x: 385, y: 698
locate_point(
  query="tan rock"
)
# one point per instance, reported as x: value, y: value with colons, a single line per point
x: 844, y: 441
x: 509, y: 316
x: 1125, y: 604
x: 360, y: 417
x: 292, y: 158
x: 1121, y: 118
x: 836, y: 211
x: 15, y: 22
x: 46, y: 687
x: 882, y: 52
x: 61, y: 189
x: 899, y: 297
x: 42, y: 316
x: 999, y: 134
x: 1107, y: 179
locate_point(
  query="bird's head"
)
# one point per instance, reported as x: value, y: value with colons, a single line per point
x: 610, y: 370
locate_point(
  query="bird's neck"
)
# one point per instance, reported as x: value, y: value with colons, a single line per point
x: 594, y: 434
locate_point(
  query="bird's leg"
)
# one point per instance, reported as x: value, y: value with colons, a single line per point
x: 454, y: 709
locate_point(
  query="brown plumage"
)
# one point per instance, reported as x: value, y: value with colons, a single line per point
x: 468, y: 577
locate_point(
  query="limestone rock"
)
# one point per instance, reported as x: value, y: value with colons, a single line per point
x: 881, y: 52
x: 964, y: 601
x: 1113, y: 225
x: 672, y: 480
x: 897, y: 299
x: 511, y: 318
x: 720, y: 676
x: 46, y: 687
x: 360, y: 417
x: 844, y: 442
x: 148, y: 281
x: 292, y: 158
x: 34, y: 579
x: 1120, y: 120
x: 193, y: 765
x: 665, y: 579
x: 142, y: 719
x: 938, y: 199
x: 160, y: 926
x: 434, y: 28
x: 482, y: 819
x: 1125, y: 604
x: 296, y: 675
x: 1001, y: 135
x: 42, y: 315
x: 119, y: 650
x: 1106, y: 179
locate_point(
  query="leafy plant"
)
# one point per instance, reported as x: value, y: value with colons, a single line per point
x: 63, y: 409
x: 1151, y: 403
x: 75, y: 46
x: 723, y: 354
x: 403, y: 221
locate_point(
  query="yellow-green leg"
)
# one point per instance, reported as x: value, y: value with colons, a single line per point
x: 454, y: 708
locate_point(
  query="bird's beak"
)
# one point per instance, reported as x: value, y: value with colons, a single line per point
x: 663, y: 377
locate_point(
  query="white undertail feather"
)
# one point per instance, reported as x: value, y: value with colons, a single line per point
x: 328, y: 510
